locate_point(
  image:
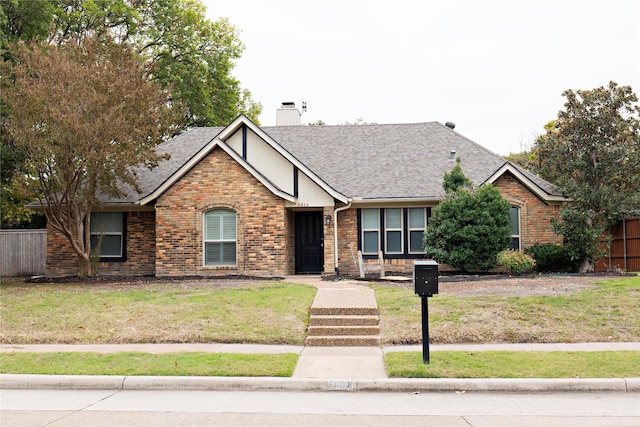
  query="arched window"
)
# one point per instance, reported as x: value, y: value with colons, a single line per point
x: 220, y: 237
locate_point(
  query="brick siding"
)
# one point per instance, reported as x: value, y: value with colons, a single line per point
x: 264, y: 227
x: 169, y: 241
x: 535, y: 227
x: 63, y: 261
x: 535, y: 215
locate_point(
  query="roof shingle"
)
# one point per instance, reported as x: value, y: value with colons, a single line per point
x: 379, y: 161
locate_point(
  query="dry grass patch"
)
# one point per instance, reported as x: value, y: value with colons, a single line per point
x: 603, y: 311
x: 268, y: 312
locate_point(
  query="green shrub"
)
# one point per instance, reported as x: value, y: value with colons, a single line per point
x: 515, y: 261
x: 469, y: 228
x: 553, y: 258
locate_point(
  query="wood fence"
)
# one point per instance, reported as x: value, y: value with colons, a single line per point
x: 22, y: 252
x: 624, y: 253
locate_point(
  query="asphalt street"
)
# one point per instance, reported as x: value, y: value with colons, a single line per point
x: 279, y: 408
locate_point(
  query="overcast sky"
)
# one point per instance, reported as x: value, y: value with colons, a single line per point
x: 497, y: 69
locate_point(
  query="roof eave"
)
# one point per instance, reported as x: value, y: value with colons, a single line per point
x: 531, y: 186
x: 204, y: 151
x: 390, y: 200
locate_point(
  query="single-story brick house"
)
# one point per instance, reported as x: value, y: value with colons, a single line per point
x: 287, y: 199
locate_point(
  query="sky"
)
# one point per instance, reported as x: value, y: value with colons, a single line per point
x: 497, y: 69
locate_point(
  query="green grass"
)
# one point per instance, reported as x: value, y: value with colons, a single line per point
x: 511, y: 364
x: 610, y: 312
x: 268, y: 313
x: 133, y: 363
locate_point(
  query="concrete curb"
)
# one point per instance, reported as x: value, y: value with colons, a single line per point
x: 515, y: 385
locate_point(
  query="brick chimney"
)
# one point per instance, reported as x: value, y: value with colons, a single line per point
x: 287, y: 115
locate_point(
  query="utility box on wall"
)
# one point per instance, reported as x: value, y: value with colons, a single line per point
x: 425, y: 278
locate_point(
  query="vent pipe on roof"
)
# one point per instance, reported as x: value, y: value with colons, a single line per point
x: 450, y: 125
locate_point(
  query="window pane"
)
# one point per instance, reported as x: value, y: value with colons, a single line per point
x: 415, y: 245
x: 213, y: 227
x: 220, y: 225
x: 370, y: 243
x: 110, y: 245
x: 370, y: 219
x: 393, y: 218
x: 212, y: 253
x: 229, y: 226
x: 394, y: 241
x: 416, y: 218
x: 223, y: 253
x: 514, y: 217
x: 228, y: 253
x: 515, y: 243
x: 220, y: 236
x: 103, y: 222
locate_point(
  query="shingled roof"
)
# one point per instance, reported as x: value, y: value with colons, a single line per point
x: 368, y: 162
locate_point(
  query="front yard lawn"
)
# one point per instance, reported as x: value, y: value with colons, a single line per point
x: 265, y: 312
x: 609, y: 310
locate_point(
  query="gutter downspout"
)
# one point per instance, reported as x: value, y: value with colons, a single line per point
x: 335, y: 235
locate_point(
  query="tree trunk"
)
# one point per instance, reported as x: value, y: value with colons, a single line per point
x: 84, y: 238
x: 84, y: 266
x: 587, y: 266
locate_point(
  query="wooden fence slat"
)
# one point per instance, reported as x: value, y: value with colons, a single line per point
x: 624, y: 234
x: 22, y: 252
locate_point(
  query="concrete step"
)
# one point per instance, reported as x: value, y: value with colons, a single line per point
x: 344, y: 311
x: 336, y: 331
x: 345, y: 320
x: 343, y: 341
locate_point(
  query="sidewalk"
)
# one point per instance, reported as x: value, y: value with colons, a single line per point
x: 351, y: 369
x: 298, y: 349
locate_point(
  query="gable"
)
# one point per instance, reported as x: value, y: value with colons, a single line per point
x: 268, y: 162
x: 263, y: 157
x: 283, y: 172
x: 536, y: 185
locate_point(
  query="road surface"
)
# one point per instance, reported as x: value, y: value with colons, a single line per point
x: 279, y: 408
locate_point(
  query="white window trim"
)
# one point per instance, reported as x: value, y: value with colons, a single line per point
x: 377, y: 230
x: 410, y: 229
x: 205, y: 240
x: 101, y: 234
x: 519, y: 235
x: 387, y: 229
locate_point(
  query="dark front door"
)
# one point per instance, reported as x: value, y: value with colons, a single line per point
x: 309, y: 242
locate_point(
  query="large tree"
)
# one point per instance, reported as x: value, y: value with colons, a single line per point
x: 190, y: 53
x: 19, y: 20
x: 84, y: 115
x: 592, y: 152
x: 187, y: 53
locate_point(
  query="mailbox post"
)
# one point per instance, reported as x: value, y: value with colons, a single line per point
x: 425, y: 281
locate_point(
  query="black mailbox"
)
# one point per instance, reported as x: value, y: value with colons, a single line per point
x: 425, y: 277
